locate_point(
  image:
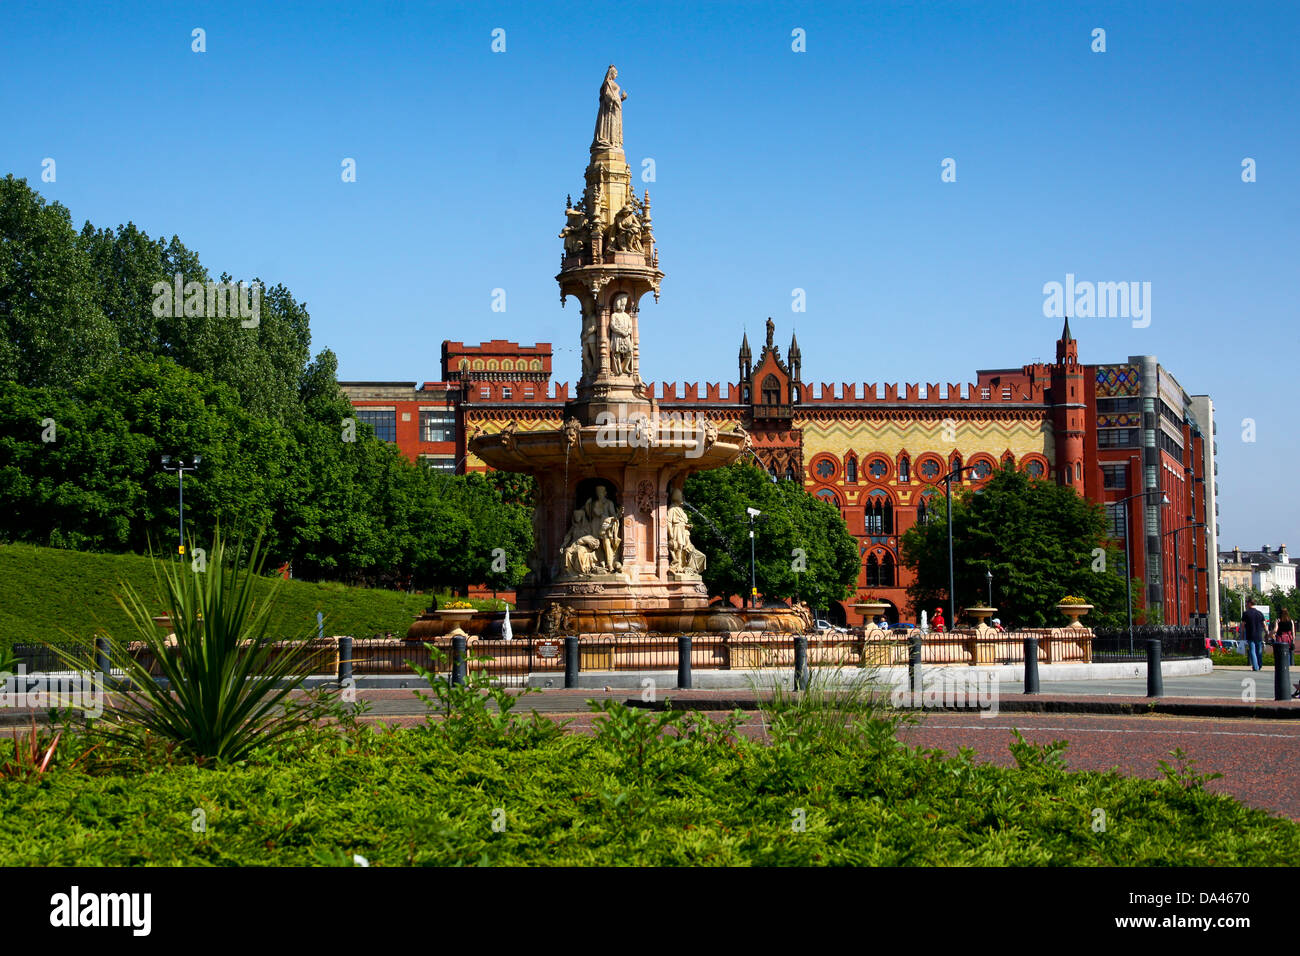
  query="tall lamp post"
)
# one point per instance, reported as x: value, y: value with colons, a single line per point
x: 753, y: 582
x: 947, y: 489
x: 1128, y: 555
x: 1178, y: 591
x: 988, y: 576
x: 180, y: 468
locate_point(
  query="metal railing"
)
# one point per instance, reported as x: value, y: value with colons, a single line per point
x: 1177, y: 643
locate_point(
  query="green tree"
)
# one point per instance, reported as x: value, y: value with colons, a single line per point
x: 802, y: 546
x: 52, y: 331
x: 1041, y: 541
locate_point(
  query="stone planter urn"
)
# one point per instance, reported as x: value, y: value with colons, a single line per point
x: 981, y: 615
x: 1074, y: 612
x: 455, y: 617
x: 871, y: 610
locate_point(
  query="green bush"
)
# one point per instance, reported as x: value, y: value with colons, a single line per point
x: 646, y: 789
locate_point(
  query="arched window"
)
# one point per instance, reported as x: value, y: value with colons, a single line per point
x: 904, y: 469
x: 851, y: 469
x: 827, y: 495
x: 789, y: 473
x: 873, y: 572
x: 956, y: 467
x: 880, y: 571
x: 879, y: 516
x: 879, y: 469
x: 771, y: 470
x: 771, y: 390
x: 824, y: 469
x: 982, y: 469
x: 1034, y: 469
x: 925, y: 508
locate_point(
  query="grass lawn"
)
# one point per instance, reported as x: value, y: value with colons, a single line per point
x: 47, y: 594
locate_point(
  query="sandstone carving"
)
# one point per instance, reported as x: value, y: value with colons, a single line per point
x: 609, y: 119
x: 594, y: 539
x: 620, y: 330
x: 684, y: 557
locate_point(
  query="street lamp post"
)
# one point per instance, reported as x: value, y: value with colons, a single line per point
x: 753, y: 582
x: 947, y: 488
x: 988, y: 576
x: 180, y: 468
x: 1128, y: 556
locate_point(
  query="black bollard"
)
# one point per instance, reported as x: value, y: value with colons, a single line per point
x: 102, y: 664
x: 684, y: 662
x: 1031, y: 664
x: 800, y: 662
x: 1281, y: 671
x: 571, y: 661
x: 914, y: 661
x: 1155, y: 680
x: 345, y: 660
x: 101, y: 656
x: 458, y: 659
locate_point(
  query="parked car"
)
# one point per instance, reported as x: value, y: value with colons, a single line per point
x: 826, y: 627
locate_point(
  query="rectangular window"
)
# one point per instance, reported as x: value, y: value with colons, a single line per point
x: 506, y: 392
x: 1153, y: 519
x: 1115, y: 521
x: 1116, y: 437
x: 984, y: 393
x: 1006, y: 394
x: 438, y: 425
x: 383, y: 422
x: 1112, y: 406
x: 485, y: 393
x: 444, y: 463
x: 528, y: 393
x: 1149, y: 438
x: 1114, y: 476
x: 1151, y: 475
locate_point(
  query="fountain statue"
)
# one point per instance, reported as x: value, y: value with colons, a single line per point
x: 614, y: 551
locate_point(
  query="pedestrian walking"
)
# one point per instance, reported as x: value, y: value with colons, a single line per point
x: 1284, y: 635
x: 1252, y: 632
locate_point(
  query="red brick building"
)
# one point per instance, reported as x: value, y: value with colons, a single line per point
x: 879, y: 452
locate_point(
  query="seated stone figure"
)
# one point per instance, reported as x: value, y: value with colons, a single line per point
x: 578, y: 552
x: 684, y: 557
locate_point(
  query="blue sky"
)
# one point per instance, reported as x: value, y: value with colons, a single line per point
x: 775, y: 170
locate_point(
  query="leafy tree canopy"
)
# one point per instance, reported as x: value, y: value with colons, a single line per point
x: 1040, y: 540
x: 802, y: 547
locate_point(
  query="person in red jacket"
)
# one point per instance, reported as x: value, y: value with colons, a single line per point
x: 936, y: 624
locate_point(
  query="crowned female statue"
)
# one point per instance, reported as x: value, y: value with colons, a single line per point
x: 609, y: 121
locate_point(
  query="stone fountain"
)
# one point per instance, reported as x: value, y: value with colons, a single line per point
x: 614, y: 552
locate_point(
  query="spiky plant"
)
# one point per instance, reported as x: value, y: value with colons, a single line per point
x: 227, y: 682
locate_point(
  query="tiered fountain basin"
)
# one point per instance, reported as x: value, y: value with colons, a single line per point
x: 640, y: 460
